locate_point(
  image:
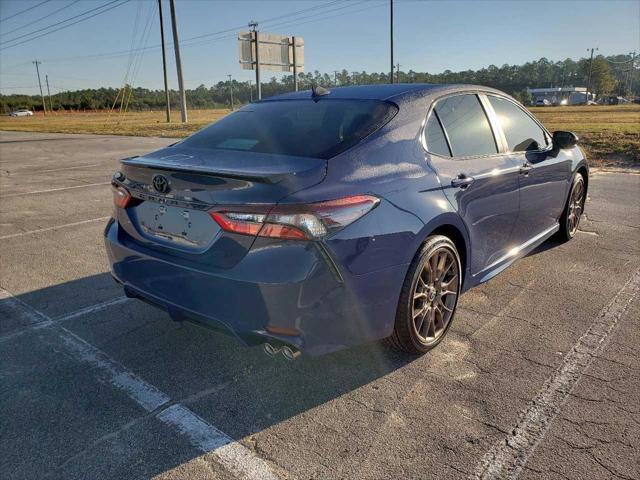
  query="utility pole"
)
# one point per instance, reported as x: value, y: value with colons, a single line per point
x: 250, y: 91
x: 295, y: 65
x: 631, y: 71
x: 397, y: 73
x: 391, y: 37
x: 176, y: 48
x: 46, y: 77
x: 44, y: 106
x: 589, y: 78
x: 231, y: 91
x: 164, y: 63
x: 335, y: 77
x: 256, y: 44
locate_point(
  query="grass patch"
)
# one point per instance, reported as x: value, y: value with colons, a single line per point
x: 142, y: 124
x: 609, y: 134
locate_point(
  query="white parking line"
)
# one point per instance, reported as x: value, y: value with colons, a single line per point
x: 48, y: 229
x: 507, y: 458
x: 237, y: 458
x: 55, y: 189
x: 42, y: 322
x: 13, y: 307
x: 92, y: 309
x: 110, y: 371
x: 58, y: 169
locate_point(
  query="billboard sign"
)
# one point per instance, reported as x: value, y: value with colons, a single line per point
x: 276, y: 52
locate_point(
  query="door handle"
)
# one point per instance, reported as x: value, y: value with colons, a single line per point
x: 526, y: 168
x: 462, y: 181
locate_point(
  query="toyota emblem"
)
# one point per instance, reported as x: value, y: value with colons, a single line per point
x: 160, y: 184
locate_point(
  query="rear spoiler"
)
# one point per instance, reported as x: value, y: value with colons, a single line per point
x: 260, y: 177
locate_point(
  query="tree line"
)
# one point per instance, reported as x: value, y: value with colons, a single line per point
x: 609, y: 75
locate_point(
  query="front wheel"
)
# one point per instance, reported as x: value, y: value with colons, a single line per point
x: 429, y: 297
x: 570, y: 220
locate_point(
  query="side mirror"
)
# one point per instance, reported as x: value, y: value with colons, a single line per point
x: 562, y: 140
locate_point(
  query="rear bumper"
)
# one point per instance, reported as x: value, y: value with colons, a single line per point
x: 277, y: 286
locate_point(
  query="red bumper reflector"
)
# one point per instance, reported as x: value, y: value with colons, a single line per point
x: 121, y: 196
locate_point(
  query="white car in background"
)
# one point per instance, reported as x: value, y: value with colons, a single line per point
x: 21, y: 112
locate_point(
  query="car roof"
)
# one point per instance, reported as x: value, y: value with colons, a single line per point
x: 395, y: 91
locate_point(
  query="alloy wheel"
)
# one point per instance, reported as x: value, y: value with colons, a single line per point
x: 576, y: 206
x: 435, y: 294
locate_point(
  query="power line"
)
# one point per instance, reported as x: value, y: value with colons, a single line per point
x: 316, y: 17
x: 41, y: 18
x: 136, y: 24
x: 144, y: 39
x: 132, y: 63
x: 136, y: 59
x: 297, y: 22
x: 186, y: 41
x: 66, y: 26
x: 57, y: 23
x: 23, y: 11
x: 313, y: 20
x: 300, y: 11
x: 234, y: 29
x: 22, y: 87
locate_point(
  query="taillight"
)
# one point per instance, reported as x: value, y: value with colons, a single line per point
x: 310, y: 221
x: 244, y: 223
x: 121, y: 196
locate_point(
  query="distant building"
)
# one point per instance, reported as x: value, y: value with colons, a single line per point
x: 559, y: 96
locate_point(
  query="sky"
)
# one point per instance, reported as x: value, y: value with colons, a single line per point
x: 430, y: 36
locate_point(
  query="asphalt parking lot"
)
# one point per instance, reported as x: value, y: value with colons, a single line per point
x: 539, y: 377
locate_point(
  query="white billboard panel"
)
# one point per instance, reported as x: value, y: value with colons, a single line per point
x: 276, y: 52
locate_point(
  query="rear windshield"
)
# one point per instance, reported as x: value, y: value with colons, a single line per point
x: 303, y: 128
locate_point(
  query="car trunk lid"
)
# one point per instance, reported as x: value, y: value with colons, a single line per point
x: 176, y: 187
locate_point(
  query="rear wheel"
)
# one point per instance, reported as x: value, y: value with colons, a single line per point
x: 570, y: 220
x: 429, y: 297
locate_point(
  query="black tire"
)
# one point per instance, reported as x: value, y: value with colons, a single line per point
x: 570, y: 219
x: 423, y: 277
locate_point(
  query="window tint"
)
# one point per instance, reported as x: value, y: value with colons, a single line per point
x: 304, y: 128
x: 466, y: 124
x: 521, y: 131
x: 434, y: 136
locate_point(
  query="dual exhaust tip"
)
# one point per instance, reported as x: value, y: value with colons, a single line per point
x: 287, y: 352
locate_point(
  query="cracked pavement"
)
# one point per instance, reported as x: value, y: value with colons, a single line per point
x: 369, y: 412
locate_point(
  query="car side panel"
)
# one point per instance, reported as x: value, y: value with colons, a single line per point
x: 488, y: 207
x: 543, y: 191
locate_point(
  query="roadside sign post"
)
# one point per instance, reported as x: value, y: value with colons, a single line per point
x: 295, y: 65
x: 257, y: 57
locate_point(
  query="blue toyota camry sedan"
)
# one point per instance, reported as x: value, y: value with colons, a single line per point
x: 318, y: 220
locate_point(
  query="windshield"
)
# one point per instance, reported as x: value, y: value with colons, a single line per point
x: 303, y: 128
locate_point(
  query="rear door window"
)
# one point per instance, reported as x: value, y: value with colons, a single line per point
x: 521, y: 131
x: 467, y: 126
x: 304, y: 128
x: 435, y: 138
